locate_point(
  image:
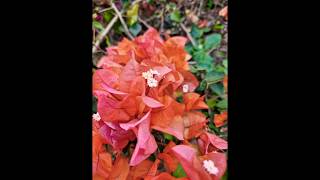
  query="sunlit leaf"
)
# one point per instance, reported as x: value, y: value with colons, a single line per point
x: 132, y: 14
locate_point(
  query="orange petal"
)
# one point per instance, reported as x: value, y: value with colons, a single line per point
x: 120, y: 169
x: 140, y: 171
x: 219, y: 119
x: 104, y: 165
x: 190, y: 80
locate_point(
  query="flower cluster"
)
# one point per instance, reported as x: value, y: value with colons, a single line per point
x: 136, y: 86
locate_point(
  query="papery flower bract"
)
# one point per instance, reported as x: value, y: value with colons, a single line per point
x: 193, y: 164
x: 209, y: 142
x: 219, y: 119
x: 136, y: 90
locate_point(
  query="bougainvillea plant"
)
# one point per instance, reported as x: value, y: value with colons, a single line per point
x: 137, y: 87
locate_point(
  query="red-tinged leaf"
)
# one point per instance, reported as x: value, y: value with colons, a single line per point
x: 146, y: 144
x: 151, y: 102
x: 120, y: 169
x: 140, y: 171
x: 211, y: 139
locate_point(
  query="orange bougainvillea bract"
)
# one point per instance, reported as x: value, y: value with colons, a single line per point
x: 136, y: 87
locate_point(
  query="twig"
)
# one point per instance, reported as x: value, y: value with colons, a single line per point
x: 162, y: 21
x: 104, y: 33
x: 212, y: 49
x: 200, y: 7
x: 144, y: 23
x: 121, y: 20
x: 106, y: 9
x: 188, y: 34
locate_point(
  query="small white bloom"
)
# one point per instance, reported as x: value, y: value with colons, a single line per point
x: 147, y: 75
x: 152, y: 82
x: 210, y: 167
x: 185, y: 88
x: 154, y: 72
x: 96, y: 117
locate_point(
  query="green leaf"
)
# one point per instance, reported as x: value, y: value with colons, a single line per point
x: 213, y: 77
x: 223, y: 104
x: 108, y: 41
x: 168, y: 136
x: 218, y: 27
x: 225, y: 176
x: 132, y: 14
x: 210, y: 4
x: 189, y: 48
x: 211, y: 103
x: 204, y: 61
x: 97, y: 25
x: 225, y: 64
x: 107, y: 15
x: 212, y: 41
x: 202, y: 86
x: 196, y: 32
x: 179, y: 172
x: 135, y: 29
x: 217, y: 88
x: 219, y: 68
x: 150, y: 1
x: 175, y: 16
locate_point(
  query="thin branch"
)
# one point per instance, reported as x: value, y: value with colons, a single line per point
x: 104, y: 33
x: 200, y: 7
x: 121, y: 20
x: 188, y: 34
x: 162, y: 21
x: 144, y: 22
x: 106, y: 9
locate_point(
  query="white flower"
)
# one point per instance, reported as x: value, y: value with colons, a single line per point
x: 185, y: 88
x: 152, y: 82
x: 154, y: 72
x: 96, y: 117
x: 210, y: 167
x: 147, y: 75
